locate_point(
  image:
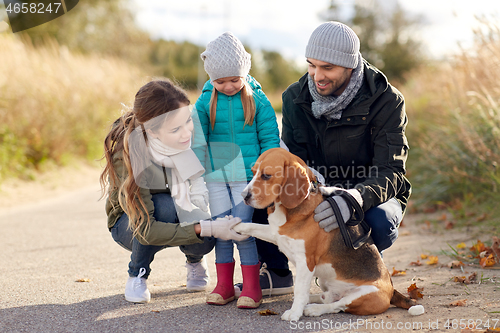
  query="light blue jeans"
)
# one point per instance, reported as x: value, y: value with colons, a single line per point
x: 143, y: 255
x: 225, y: 199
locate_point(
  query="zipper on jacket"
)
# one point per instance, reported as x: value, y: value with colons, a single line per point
x: 233, y: 135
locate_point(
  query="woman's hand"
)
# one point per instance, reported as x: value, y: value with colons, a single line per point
x: 222, y: 228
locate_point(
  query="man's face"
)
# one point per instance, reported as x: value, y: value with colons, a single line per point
x: 329, y: 79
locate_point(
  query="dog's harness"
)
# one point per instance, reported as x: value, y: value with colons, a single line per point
x: 357, y: 216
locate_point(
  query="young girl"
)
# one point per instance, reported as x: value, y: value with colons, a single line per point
x: 238, y: 124
x: 154, y: 178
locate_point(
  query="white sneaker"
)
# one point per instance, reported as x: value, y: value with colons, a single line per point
x: 197, y: 276
x: 136, y: 289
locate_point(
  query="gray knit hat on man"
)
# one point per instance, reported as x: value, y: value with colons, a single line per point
x: 334, y: 43
x: 225, y: 56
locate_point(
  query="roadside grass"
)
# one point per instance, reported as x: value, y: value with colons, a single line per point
x: 56, y: 105
x: 454, y: 132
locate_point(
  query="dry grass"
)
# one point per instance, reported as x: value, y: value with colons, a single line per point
x: 454, y: 130
x: 55, y: 105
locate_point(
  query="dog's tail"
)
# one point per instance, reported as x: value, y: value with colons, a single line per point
x: 402, y: 301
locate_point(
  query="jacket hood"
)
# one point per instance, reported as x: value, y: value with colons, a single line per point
x: 253, y: 83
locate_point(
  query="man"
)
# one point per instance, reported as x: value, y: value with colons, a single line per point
x: 347, y: 122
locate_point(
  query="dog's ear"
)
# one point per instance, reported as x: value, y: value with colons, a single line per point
x: 296, y: 186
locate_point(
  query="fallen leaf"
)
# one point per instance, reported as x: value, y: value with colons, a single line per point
x: 461, y: 245
x: 267, y: 312
x: 433, y: 260
x: 449, y: 224
x: 495, y: 247
x: 456, y: 264
x: 427, y: 225
x: 443, y: 217
x: 416, y: 263
x: 83, y: 280
x: 395, y: 272
x: 458, y: 303
x: 487, y: 261
x: 465, y: 280
x: 156, y: 311
x: 478, y: 247
x: 423, y: 256
x: 415, y: 292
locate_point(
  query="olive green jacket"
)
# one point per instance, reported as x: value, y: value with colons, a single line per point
x: 159, y: 233
x: 366, y: 148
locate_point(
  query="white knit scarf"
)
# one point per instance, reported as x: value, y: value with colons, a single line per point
x: 184, y: 164
x: 332, y: 106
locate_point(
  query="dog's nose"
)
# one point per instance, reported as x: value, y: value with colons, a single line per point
x: 246, y: 195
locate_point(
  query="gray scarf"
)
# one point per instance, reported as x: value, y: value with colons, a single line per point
x: 332, y: 106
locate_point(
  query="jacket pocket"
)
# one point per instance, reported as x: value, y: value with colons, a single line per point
x: 398, y: 149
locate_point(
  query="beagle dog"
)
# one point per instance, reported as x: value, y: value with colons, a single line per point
x: 354, y: 281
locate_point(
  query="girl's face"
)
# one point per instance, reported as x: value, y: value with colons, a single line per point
x: 229, y: 85
x: 176, y: 130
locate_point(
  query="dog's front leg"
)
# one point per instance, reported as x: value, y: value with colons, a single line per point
x: 301, y: 290
x: 260, y: 231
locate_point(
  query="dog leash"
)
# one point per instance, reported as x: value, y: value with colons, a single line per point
x: 357, y: 216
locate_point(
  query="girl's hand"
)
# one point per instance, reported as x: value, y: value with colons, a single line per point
x: 200, y: 201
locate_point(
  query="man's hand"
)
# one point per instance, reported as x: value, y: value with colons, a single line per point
x: 222, y: 228
x: 324, y: 212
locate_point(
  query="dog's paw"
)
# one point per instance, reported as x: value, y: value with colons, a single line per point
x: 290, y: 315
x: 313, y: 310
x: 240, y: 228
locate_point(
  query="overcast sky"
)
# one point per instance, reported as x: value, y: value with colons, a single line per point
x: 285, y: 25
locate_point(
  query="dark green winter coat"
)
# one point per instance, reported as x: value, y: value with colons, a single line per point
x: 366, y: 147
x: 159, y: 233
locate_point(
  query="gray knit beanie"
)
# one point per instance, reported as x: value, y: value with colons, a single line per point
x: 334, y: 43
x: 225, y: 56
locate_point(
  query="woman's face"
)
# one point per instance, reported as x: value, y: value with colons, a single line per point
x: 177, y: 129
x: 229, y: 85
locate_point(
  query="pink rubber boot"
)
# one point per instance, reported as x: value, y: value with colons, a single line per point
x: 251, y: 295
x: 224, y: 291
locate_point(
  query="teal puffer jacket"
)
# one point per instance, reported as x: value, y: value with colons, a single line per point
x: 229, y: 151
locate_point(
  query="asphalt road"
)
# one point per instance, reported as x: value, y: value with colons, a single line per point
x: 49, y: 246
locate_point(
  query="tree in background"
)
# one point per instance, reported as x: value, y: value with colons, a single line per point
x: 274, y: 72
x: 178, y: 61
x: 96, y: 26
x: 108, y: 28
x: 385, y: 36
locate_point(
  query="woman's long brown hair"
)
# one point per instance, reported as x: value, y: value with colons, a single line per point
x: 152, y: 100
x: 246, y: 100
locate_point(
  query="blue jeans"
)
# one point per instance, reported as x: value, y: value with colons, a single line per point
x: 225, y: 199
x: 384, y: 220
x: 143, y: 255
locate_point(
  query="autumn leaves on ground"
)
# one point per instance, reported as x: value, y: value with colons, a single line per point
x: 454, y: 274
